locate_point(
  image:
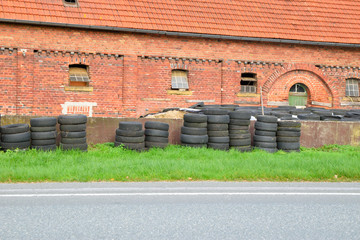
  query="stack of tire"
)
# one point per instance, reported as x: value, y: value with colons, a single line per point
x: 194, y: 131
x: 217, y: 128
x: 239, y: 133
x: 265, y: 133
x: 73, y: 132
x: 130, y: 135
x: 15, y: 136
x: 288, y: 136
x: 156, y: 134
x: 43, y: 133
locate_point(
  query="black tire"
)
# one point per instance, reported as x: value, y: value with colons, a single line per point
x: 289, y: 124
x: 240, y: 142
x: 239, y: 136
x: 215, y: 111
x: 156, y: 145
x: 242, y: 148
x: 217, y: 127
x: 218, y: 133
x: 266, y: 126
x: 43, y: 122
x: 43, y: 142
x: 195, y: 125
x: 265, y: 133
x: 14, y: 128
x: 131, y: 146
x: 44, y: 147
x: 156, y: 139
x: 73, y: 140
x: 200, y: 139
x: 82, y: 147
x: 13, y: 146
x: 130, y: 139
x: 16, y: 137
x: 237, y: 127
x: 310, y: 116
x: 43, y: 135
x: 157, y: 125
x: 243, y: 115
x: 219, y: 140
x: 265, y: 144
x: 43, y: 129
x: 289, y: 129
x: 72, y: 119
x: 225, y: 119
x: 288, y: 145
x: 195, y: 118
x: 193, y: 131
x: 219, y: 146
x: 194, y: 145
x: 73, y: 128
x: 127, y: 133
x: 156, y: 133
x: 287, y: 139
x: 269, y: 150
x: 130, y: 126
x: 231, y: 132
x: 266, y: 119
x: 73, y: 134
x: 239, y: 122
x: 288, y: 134
x: 260, y: 138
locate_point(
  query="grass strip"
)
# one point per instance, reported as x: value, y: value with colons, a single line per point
x: 103, y: 162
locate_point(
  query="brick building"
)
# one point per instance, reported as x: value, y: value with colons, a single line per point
x: 128, y: 58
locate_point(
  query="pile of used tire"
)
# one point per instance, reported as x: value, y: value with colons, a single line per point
x: 130, y: 135
x: 194, y: 131
x: 73, y: 132
x: 288, y: 136
x: 239, y: 133
x: 217, y: 128
x: 156, y: 134
x: 15, y: 136
x: 43, y: 133
x: 265, y: 133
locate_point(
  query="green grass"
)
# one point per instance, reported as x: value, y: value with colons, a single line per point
x: 103, y: 162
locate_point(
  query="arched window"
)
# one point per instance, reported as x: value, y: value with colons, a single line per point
x: 78, y: 75
x: 248, y: 83
x: 352, y: 87
x: 179, y: 79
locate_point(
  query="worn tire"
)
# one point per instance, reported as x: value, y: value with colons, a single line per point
x: 239, y: 132
x: 156, y: 139
x: 288, y: 134
x: 195, y: 118
x: 219, y: 146
x: 289, y: 129
x: 264, y: 126
x: 14, y: 128
x: 17, y: 145
x: 43, y: 135
x: 214, y: 111
x: 240, y: 136
x: 16, y: 137
x: 265, y: 144
x: 130, y: 139
x: 240, y: 142
x: 237, y: 127
x: 157, y: 125
x: 42, y: 129
x: 194, y: 145
x: 73, y: 140
x: 156, y: 145
x: 288, y: 139
x: 224, y: 119
x: 266, y: 119
x: 44, y: 148
x: 242, y: 148
x: 200, y: 139
x: 259, y: 138
x: 72, y: 119
x: 73, y: 128
x: 239, y: 122
x: 288, y: 145
x: 82, y: 147
x: 219, y: 140
x: 193, y: 131
x: 218, y: 133
x: 43, y: 142
x: 265, y: 133
x: 289, y: 124
x: 43, y: 122
x: 217, y: 127
x: 195, y: 125
x: 131, y: 146
x: 80, y: 134
x: 243, y: 115
x: 156, y: 133
x: 130, y: 126
x: 127, y: 133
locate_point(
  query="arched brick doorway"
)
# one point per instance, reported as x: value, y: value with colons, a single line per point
x: 298, y: 95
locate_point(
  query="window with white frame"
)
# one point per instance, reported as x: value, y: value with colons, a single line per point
x: 248, y: 83
x: 179, y: 80
x: 352, y: 87
x: 78, y: 75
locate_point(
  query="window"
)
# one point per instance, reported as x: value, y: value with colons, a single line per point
x: 248, y: 83
x: 298, y: 88
x: 352, y: 88
x: 78, y: 75
x: 179, y: 79
x: 70, y: 3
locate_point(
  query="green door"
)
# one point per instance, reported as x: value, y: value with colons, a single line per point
x: 298, y: 95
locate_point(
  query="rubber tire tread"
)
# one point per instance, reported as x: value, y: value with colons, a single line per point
x: 195, y: 118
x: 130, y: 139
x: 80, y: 134
x: 43, y: 122
x: 193, y: 131
x: 265, y: 133
x: 243, y: 115
x: 194, y: 145
x: 197, y: 139
x: 219, y: 146
x: 43, y: 129
x: 195, y: 125
x: 156, y: 139
x: 217, y: 127
x: 156, y: 133
x: 288, y: 134
x: 43, y: 142
x: 73, y: 128
x: 266, y: 126
x: 294, y: 124
x: 72, y: 119
x: 225, y: 119
x: 266, y: 118
x: 239, y: 136
x: 288, y: 139
x: 288, y: 129
x: 260, y: 138
x: 43, y: 135
x: 239, y: 132
x: 13, y: 146
x: 218, y: 133
x: 265, y: 144
x: 73, y: 140
x: 236, y: 127
x: 14, y: 128
x: 240, y: 142
x: 288, y: 145
x: 239, y: 122
x: 215, y: 111
x: 156, y: 125
x: 16, y: 137
x: 242, y: 148
x: 129, y: 133
x: 219, y: 140
x: 130, y: 126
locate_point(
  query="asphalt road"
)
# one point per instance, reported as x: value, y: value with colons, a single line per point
x: 194, y: 210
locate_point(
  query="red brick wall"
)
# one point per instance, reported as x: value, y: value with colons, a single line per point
x: 131, y: 73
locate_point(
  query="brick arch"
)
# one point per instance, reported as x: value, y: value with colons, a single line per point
x: 278, y: 85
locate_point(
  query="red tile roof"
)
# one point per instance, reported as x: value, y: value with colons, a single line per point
x: 336, y: 21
